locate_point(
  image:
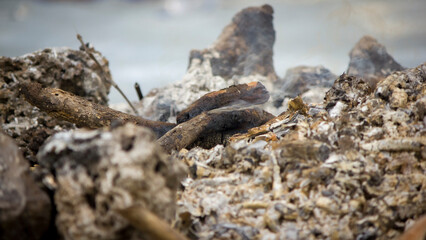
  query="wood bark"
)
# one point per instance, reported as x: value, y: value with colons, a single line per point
x: 75, y: 109
x: 241, y: 94
x: 217, y: 120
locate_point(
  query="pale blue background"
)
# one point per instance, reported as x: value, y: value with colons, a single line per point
x: 149, y: 41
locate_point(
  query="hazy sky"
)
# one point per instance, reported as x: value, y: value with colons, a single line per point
x: 149, y: 41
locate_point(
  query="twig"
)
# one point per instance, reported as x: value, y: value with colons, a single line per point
x: 148, y: 223
x: 75, y: 109
x: 104, y: 76
x: 138, y: 91
x: 417, y: 231
x: 14, y: 78
x: 277, y: 186
x: 255, y: 205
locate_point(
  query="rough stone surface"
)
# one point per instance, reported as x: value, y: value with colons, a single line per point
x: 244, y: 47
x: 353, y: 168
x: 241, y: 54
x: 25, y: 210
x: 70, y: 70
x: 311, y: 83
x: 100, y: 171
x: 370, y: 60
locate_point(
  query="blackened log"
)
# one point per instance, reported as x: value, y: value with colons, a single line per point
x: 218, y: 120
x: 69, y: 107
x: 241, y: 94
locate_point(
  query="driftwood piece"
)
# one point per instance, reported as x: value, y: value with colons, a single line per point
x: 242, y: 94
x: 149, y: 224
x: 69, y: 107
x: 218, y: 120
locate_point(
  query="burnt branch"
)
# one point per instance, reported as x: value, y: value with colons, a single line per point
x: 241, y: 94
x: 75, y: 109
x: 218, y: 120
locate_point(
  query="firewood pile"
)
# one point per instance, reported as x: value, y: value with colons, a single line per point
x: 232, y: 151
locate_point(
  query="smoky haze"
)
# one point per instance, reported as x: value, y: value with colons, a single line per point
x: 149, y: 41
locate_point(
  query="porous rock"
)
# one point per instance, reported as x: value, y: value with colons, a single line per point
x: 64, y: 68
x: 353, y: 168
x: 100, y: 171
x: 370, y: 60
x: 241, y: 54
x: 25, y: 209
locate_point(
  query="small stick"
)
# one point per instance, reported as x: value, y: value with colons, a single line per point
x: 109, y: 80
x: 277, y: 186
x: 14, y: 78
x: 242, y: 94
x: 417, y: 231
x: 148, y: 223
x: 255, y: 205
x: 138, y: 91
x: 217, y: 120
x: 75, y: 109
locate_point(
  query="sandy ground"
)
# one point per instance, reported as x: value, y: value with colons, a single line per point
x: 149, y: 41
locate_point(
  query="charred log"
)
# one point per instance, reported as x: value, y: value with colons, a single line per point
x: 218, y: 120
x: 83, y: 113
x: 250, y: 93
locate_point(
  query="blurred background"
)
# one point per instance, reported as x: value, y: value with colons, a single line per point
x: 149, y: 41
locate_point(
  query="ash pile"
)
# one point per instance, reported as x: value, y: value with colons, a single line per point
x: 232, y: 151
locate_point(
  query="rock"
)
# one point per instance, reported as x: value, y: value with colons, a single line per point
x: 309, y: 82
x: 352, y: 170
x: 241, y: 54
x: 244, y: 47
x: 70, y: 70
x: 401, y: 87
x: 25, y: 210
x: 347, y: 91
x: 100, y: 171
x: 370, y: 60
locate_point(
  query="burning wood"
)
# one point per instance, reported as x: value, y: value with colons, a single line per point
x: 69, y: 107
x: 246, y: 94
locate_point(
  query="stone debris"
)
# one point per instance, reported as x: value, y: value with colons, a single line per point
x: 25, y: 209
x: 353, y: 173
x: 241, y: 54
x: 64, y: 68
x: 99, y: 172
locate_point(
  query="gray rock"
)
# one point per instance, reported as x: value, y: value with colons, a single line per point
x: 241, y: 54
x: 245, y: 45
x: 25, y: 209
x: 300, y: 79
x: 351, y: 169
x: 100, y: 171
x: 311, y: 81
x: 370, y: 60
